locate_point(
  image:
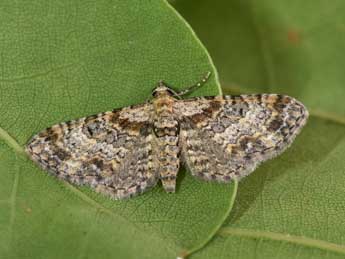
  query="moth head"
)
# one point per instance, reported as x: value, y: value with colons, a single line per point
x: 162, y: 89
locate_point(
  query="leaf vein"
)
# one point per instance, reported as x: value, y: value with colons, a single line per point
x: 298, y: 240
x: 13, y: 201
x: 33, y: 76
x: 11, y: 142
x: 264, y: 50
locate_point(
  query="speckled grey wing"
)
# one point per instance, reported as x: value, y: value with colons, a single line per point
x: 227, y: 137
x: 112, y: 152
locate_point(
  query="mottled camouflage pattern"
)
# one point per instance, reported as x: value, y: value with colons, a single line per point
x: 124, y: 152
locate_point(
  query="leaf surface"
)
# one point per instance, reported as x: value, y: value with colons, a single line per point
x: 61, y: 60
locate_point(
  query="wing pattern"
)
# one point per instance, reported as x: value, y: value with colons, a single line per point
x: 222, y: 138
x: 112, y: 152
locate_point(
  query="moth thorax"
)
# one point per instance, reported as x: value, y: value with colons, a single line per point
x: 162, y: 90
x: 163, y: 104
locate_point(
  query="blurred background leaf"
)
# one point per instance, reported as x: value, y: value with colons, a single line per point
x: 61, y: 60
x: 292, y: 206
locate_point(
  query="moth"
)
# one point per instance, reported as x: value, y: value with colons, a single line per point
x: 126, y: 151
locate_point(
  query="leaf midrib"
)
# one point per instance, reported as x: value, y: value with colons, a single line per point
x: 297, y: 240
x: 11, y: 142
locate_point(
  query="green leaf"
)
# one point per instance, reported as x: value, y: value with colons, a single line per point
x: 294, y: 205
x: 61, y: 60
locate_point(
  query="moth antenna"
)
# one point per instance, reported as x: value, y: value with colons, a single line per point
x: 196, y: 85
